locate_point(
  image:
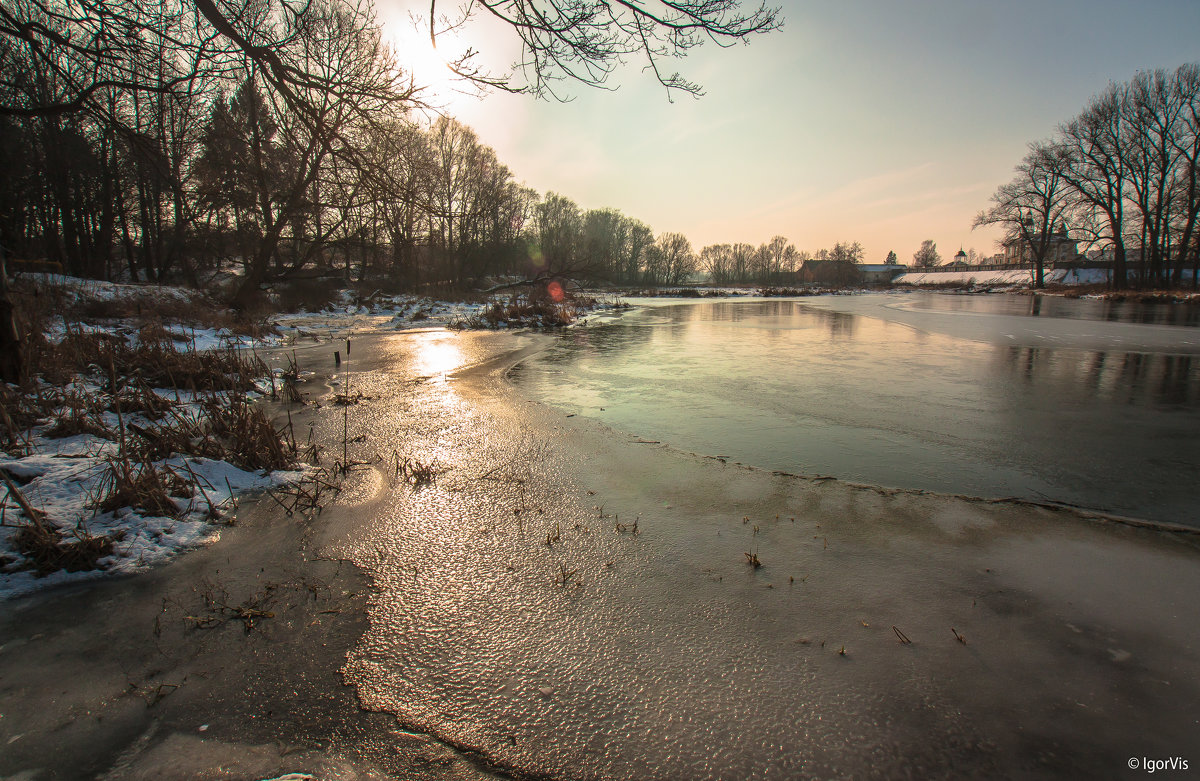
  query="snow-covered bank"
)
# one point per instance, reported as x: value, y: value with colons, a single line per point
x: 1060, y: 276
x: 132, y: 432
x: 66, y: 481
x: 105, y: 474
x: 403, y: 311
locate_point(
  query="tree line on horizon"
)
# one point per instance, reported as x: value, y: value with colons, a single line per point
x: 1122, y: 176
x: 210, y: 181
x: 167, y: 141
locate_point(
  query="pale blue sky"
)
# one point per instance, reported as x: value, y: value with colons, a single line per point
x: 879, y: 121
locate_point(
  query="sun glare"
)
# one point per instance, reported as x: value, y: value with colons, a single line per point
x: 427, y: 65
x: 437, y: 353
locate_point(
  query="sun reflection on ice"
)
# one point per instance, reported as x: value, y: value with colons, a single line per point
x: 437, y: 354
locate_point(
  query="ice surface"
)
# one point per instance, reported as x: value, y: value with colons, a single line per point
x: 519, y: 614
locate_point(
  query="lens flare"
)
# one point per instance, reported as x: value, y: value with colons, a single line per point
x: 556, y: 291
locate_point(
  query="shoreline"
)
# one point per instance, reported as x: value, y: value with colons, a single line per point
x: 222, y: 663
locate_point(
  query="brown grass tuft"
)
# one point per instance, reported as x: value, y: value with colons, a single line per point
x: 47, y: 551
x: 140, y: 486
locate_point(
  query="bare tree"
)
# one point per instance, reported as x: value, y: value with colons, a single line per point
x: 1185, y: 186
x: 64, y: 57
x: 1032, y: 206
x: 559, y: 226
x: 12, y: 354
x: 585, y: 41
x: 1095, y: 168
x: 637, y: 240
x: 1154, y: 111
x: 743, y: 257
x: 717, y: 261
x: 782, y: 258
x: 678, y: 260
x: 849, y: 252
x: 605, y: 233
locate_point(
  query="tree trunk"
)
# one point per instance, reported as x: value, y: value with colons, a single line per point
x: 1120, y: 278
x: 11, y: 353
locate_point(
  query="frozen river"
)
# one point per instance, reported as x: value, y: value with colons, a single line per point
x: 574, y: 601
x: 1083, y: 402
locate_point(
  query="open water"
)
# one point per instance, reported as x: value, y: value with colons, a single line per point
x: 1083, y: 402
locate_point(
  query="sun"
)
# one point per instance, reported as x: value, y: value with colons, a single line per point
x: 429, y: 67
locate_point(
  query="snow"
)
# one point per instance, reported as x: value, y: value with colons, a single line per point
x: 1061, y: 276
x: 187, y: 335
x: 80, y: 289
x: 349, y: 312
x: 390, y: 312
x: 65, y: 479
x: 977, y: 277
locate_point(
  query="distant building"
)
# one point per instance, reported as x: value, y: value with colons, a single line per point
x: 881, y: 273
x: 1062, y: 249
x: 960, y: 260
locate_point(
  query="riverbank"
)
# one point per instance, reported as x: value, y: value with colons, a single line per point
x: 574, y: 601
x: 223, y: 664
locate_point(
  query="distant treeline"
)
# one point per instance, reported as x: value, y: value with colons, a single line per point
x: 195, y: 183
x: 165, y: 141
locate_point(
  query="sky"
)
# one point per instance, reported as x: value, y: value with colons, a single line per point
x: 885, y: 122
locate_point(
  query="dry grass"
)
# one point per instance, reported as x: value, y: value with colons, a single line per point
x: 218, y: 607
x: 227, y: 427
x: 39, y: 303
x: 679, y: 292
x: 565, y: 576
x: 48, y: 551
x: 86, y: 379
x: 291, y: 381
x: 770, y: 292
x: 158, y: 362
x: 78, y: 414
x: 248, y: 438
x: 414, y: 470
x: 529, y: 310
x: 139, y: 398
x: 44, y: 547
x: 141, y: 486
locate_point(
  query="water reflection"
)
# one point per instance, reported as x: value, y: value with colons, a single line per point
x: 803, y: 388
x: 1145, y: 379
x: 841, y: 325
x: 1155, y: 313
